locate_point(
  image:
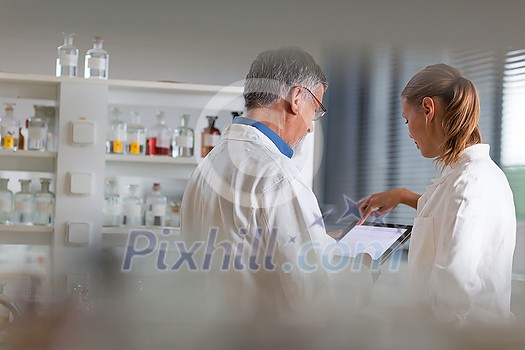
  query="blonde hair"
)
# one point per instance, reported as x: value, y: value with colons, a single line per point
x: 460, y: 121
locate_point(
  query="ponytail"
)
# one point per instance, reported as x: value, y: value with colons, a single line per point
x: 460, y: 121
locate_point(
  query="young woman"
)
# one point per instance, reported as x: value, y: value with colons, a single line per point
x: 463, y: 239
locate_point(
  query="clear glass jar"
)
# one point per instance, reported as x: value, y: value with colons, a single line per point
x: 156, y: 205
x: 37, y: 129
x: 23, y: 200
x: 136, y: 136
x: 96, y: 63
x: 44, y: 204
x: 133, y: 207
x: 159, y: 137
x: 182, y: 141
x: 173, y: 218
x: 112, y: 204
x: 116, y: 135
x: 6, y: 203
x: 210, y: 136
x: 9, y: 128
x: 67, y: 58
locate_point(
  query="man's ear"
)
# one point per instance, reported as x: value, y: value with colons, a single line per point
x: 429, y: 108
x: 295, y: 99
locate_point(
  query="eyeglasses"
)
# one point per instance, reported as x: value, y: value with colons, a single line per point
x: 319, y: 112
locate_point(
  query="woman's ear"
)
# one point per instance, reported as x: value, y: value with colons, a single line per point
x: 429, y: 108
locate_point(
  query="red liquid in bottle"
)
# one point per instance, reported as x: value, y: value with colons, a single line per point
x: 153, y: 150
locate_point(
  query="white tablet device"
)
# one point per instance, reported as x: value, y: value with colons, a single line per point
x: 378, y: 240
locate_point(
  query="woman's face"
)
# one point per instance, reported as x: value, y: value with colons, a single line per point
x: 420, y: 128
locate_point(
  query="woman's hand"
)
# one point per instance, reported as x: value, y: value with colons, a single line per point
x: 378, y: 204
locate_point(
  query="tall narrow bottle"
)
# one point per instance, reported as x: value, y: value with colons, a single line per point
x: 210, y: 136
x: 159, y: 137
x: 44, y: 204
x: 23, y: 212
x: 97, y: 61
x: 116, y: 135
x: 182, y: 142
x: 6, y: 203
x: 67, y: 58
x: 23, y: 135
x: 133, y: 208
x: 9, y: 128
x: 112, y: 204
x: 156, y: 205
x: 37, y: 129
x: 136, y: 136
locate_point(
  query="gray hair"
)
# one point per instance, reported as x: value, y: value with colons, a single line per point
x: 275, y: 72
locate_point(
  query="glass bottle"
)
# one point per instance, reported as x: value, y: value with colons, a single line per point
x: 23, y: 212
x: 6, y: 203
x: 156, y: 205
x: 96, y: 61
x: 112, y: 204
x: 133, y: 207
x: 210, y: 136
x: 67, y: 58
x: 52, y: 128
x: 116, y: 135
x: 9, y: 128
x: 44, y: 204
x: 159, y: 137
x: 135, y: 136
x: 23, y: 135
x: 182, y: 142
x: 37, y: 129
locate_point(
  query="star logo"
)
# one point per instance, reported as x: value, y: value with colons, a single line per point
x: 351, y: 211
x: 320, y: 219
x: 291, y: 240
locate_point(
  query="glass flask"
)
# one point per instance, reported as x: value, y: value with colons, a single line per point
x: 67, y: 58
x: 135, y: 136
x: 9, y: 128
x: 210, y: 136
x: 44, y: 204
x: 156, y: 205
x: 133, y: 207
x: 116, y: 134
x: 159, y: 137
x: 23, y: 213
x: 6, y: 203
x: 37, y: 129
x: 112, y: 204
x: 97, y: 61
x: 182, y: 141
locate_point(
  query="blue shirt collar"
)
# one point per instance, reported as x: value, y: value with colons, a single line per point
x: 276, y: 139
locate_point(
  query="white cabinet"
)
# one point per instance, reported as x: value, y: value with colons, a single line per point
x: 91, y: 100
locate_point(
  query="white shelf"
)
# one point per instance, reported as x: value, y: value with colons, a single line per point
x: 118, y: 236
x: 27, y: 154
x: 21, y: 234
x: 126, y: 230
x: 150, y: 159
x: 122, y: 84
x: 28, y: 160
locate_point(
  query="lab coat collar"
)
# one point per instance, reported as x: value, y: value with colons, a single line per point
x: 470, y: 153
x: 244, y: 132
x: 276, y: 139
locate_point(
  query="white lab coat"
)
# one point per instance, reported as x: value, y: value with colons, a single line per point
x: 243, y: 185
x: 463, y: 239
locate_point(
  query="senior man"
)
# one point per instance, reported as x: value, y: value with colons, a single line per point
x: 250, y: 204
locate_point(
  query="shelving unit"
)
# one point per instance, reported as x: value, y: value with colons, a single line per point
x: 92, y: 99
